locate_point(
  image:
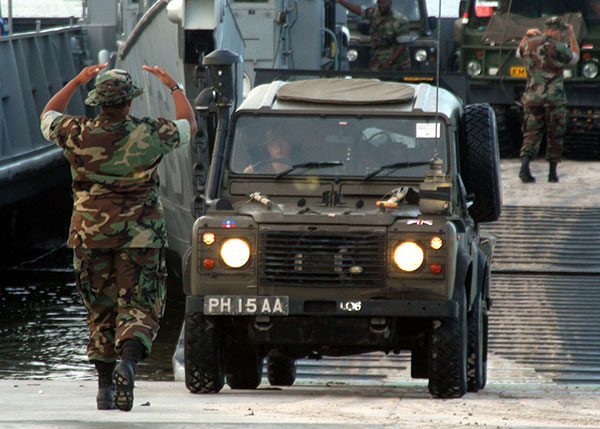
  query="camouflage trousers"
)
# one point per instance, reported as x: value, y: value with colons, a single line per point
x: 549, y: 118
x: 124, y: 292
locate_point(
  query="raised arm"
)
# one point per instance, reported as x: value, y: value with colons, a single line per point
x: 60, y: 100
x: 573, y: 45
x: 183, y: 108
x: 356, y: 9
x: 532, y: 32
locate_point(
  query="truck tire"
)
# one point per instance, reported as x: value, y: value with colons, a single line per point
x: 481, y: 162
x: 202, y: 354
x: 243, y: 367
x: 508, y: 127
x: 448, y: 352
x: 281, y: 371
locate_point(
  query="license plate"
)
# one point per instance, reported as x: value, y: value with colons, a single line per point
x: 247, y: 305
x: 518, y: 72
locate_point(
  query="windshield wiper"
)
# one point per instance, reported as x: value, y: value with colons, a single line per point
x: 309, y: 165
x: 395, y: 166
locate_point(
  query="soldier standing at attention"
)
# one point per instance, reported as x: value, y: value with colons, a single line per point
x: 389, y: 35
x: 117, y: 228
x: 544, y: 100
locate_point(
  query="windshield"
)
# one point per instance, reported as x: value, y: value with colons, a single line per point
x: 408, y: 8
x: 335, y: 145
x: 539, y: 8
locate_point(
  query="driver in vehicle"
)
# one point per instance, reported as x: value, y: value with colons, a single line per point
x: 279, y: 151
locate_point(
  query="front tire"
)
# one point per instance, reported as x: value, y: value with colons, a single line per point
x: 281, y: 371
x: 202, y: 354
x: 448, y: 352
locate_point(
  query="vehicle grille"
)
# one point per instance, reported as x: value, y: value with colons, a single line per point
x: 327, y: 259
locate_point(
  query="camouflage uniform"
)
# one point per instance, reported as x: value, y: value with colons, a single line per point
x: 544, y: 100
x: 387, y: 32
x: 117, y: 227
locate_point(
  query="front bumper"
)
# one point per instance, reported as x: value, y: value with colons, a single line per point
x: 353, y: 308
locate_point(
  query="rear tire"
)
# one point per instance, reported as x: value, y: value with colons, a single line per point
x: 448, y: 352
x: 281, y: 371
x: 202, y: 354
x: 477, y: 339
x: 244, y: 366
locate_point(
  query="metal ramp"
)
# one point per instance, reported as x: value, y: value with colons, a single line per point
x: 545, y: 284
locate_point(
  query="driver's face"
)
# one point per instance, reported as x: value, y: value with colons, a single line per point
x: 278, y: 148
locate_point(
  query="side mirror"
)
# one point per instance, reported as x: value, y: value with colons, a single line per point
x: 432, y: 23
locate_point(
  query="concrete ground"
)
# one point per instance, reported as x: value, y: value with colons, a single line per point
x: 71, y: 404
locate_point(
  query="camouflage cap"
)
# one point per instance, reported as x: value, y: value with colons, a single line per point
x: 556, y: 23
x: 113, y: 87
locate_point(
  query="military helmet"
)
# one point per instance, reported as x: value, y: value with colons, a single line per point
x: 113, y: 87
x: 556, y: 23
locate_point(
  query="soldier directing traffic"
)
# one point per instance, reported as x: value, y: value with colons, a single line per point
x: 544, y: 99
x: 117, y: 227
x: 389, y: 35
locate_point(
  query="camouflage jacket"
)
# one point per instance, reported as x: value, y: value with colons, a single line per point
x: 387, y: 32
x: 114, y: 164
x: 544, y: 59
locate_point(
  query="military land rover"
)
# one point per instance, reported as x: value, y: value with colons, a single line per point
x: 342, y: 217
x: 489, y: 34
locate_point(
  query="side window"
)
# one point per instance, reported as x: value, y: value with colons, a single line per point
x: 408, y: 8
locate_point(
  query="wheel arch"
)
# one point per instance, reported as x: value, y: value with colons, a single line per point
x: 464, y: 272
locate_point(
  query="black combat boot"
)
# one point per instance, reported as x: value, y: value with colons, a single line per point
x: 525, y: 174
x: 106, y: 388
x: 124, y: 373
x: 552, y: 176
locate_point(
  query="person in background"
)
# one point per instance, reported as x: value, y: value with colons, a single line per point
x: 117, y: 229
x: 544, y: 100
x: 389, y: 35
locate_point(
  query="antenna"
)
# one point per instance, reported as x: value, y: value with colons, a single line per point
x: 437, y: 81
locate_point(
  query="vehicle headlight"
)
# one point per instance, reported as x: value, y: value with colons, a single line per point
x: 408, y: 256
x: 352, y: 55
x: 474, y: 68
x: 235, y: 252
x: 590, y: 70
x: 420, y: 55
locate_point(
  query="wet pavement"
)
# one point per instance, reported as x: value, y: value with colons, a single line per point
x: 43, y: 332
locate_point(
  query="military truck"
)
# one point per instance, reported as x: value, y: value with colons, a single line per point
x: 423, y: 48
x: 361, y: 236
x: 489, y: 34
